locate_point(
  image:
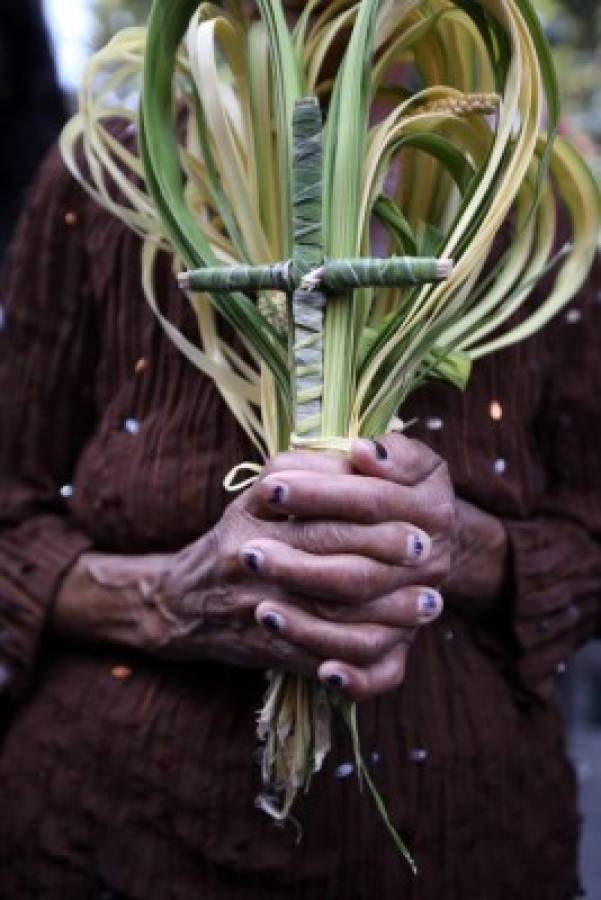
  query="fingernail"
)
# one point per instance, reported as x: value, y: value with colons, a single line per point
x: 429, y: 605
x: 253, y: 559
x: 381, y: 451
x: 336, y: 680
x: 273, y: 622
x: 278, y: 494
x: 416, y: 546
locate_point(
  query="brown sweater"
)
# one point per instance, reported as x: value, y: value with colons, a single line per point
x: 124, y: 776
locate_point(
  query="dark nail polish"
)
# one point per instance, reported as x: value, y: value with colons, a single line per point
x: 336, y: 680
x: 415, y: 546
x: 278, y: 494
x: 252, y: 560
x: 429, y: 604
x: 381, y: 451
x: 272, y: 622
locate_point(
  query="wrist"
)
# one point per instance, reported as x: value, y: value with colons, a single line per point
x: 102, y: 598
x: 479, y: 561
x: 178, y: 601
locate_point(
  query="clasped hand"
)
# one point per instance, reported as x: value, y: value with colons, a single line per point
x: 326, y: 566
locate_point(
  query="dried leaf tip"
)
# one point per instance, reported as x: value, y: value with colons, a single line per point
x: 444, y: 267
x: 183, y: 280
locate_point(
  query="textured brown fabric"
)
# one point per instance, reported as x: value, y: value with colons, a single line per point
x: 142, y: 786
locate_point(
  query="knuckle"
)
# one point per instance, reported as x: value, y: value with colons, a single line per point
x: 398, y: 670
x: 372, y: 684
x: 371, y: 644
x: 445, y: 516
x: 436, y: 474
x: 363, y: 688
x: 394, y: 673
x: 379, y: 504
x: 302, y: 534
x: 422, y: 461
x: 319, y: 538
x: 229, y: 564
x: 335, y: 537
x: 236, y: 526
x: 359, y: 584
x: 413, y: 461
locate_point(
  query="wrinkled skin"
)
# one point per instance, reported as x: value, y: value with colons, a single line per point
x: 325, y: 566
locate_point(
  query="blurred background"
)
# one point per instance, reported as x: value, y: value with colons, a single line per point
x: 44, y: 45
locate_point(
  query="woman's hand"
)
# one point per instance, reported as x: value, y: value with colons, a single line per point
x: 325, y: 566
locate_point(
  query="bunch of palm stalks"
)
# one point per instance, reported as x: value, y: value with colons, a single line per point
x: 432, y: 136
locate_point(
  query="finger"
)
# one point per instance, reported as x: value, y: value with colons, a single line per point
x: 361, y: 683
x: 409, y: 607
x: 345, y: 498
x: 343, y: 578
x: 397, y: 543
x: 395, y: 457
x: 360, y: 644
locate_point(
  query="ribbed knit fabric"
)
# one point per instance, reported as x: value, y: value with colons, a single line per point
x: 126, y: 776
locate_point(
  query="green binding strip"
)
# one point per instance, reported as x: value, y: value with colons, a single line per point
x: 334, y: 275
x: 343, y: 274
x: 275, y: 277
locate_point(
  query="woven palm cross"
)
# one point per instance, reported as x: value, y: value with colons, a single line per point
x: 309, y: 277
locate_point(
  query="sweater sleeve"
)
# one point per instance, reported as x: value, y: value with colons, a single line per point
x: 47, y: 361
x: 556, y: 553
